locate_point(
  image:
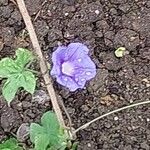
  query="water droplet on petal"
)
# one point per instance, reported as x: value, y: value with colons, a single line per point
x: 65, y: 79
x: 77, y: 79
x: 88, y: 73
x: 79, y: 60
x: 82, y: 79
x: 81, y: 82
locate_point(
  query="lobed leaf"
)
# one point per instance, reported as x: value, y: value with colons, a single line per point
x: 14, y: 82
x: 28, y: 81
x: 24, y: 56
x: 10, y: 88
x: 35, y: 130
x: 50, y: 122
x: 51, y: 131
x: 10, y: 144
x: 17, y: 75
x: 8, y: 67
x: 41, y: 142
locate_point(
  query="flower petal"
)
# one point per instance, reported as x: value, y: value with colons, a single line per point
x: 57, y: 59
x: 56, y: 70
x: 75, y: 51
x: 83, y: 75
x: 72, y: 66
x: 84, y: 63
x: 68, y: 82
x: 59, y: 55
x: 85, y: 69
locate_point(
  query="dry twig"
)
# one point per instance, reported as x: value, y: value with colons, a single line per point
x: 43, y: 65
x: 38, y: 13
x: 13, y: 1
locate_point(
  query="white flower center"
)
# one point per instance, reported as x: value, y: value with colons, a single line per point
x: 67, y: 68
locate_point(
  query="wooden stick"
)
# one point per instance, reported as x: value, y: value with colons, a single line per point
x: 43, y: 65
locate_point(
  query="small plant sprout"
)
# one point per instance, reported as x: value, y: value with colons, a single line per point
x: 17, y: 74
x: 119, y: 52
x: 72, y: 66
x: 49, y: 135
x: 10, y: 144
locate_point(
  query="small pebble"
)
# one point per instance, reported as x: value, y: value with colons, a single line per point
x: 131, y: 101
x: 89, y: 145
x: 40, y: 96
x: 23, y: 132
x: 148, y: 85
x: 97, y: 12
x: 133, y: 127
x: 66, y: 14
x: 116, y: 118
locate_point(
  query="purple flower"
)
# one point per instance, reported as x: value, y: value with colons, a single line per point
x: 72, y: 66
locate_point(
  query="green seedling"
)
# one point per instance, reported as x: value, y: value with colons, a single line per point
x: 11, y: 144
x: 17, y: 74
x: 49, y: 135
x: 120, y: 51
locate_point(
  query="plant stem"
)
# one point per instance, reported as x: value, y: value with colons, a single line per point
x: 109, y: 113
x: 67, y: 114
x: 43, y: 65
x: 33, y: 71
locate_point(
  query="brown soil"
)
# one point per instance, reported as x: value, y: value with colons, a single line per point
x: 103, y: 25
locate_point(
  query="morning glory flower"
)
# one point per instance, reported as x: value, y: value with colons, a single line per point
x: 72, y: 66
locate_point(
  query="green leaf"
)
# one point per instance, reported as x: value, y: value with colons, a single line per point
x: 41, y: 142
x: 10, y: 88
x: 17, y: 75
x: 50, y: 122
x: 28, y: 81
x: 35, y: 130
x: 38, y: 136
x: 8, y: 67
x: 10, y: 144
x: 120, y: 51
x: 50, y: 128
x: 24, y: 56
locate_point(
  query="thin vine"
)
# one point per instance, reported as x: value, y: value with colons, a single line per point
x: 109, y: 113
